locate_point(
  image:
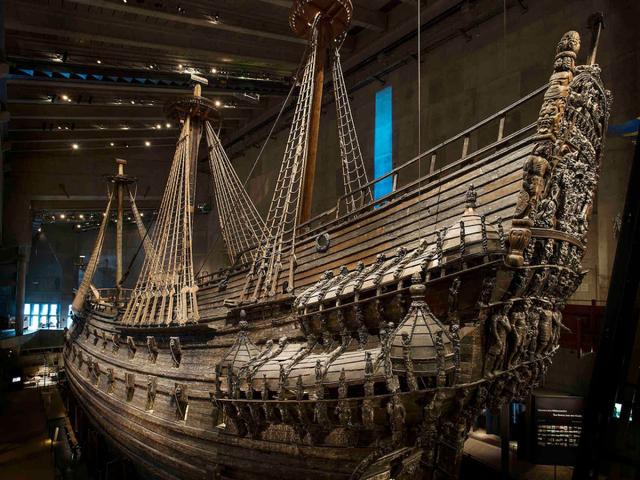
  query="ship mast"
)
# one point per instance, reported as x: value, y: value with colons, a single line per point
x: 331, y: 20
x: 120, y: 181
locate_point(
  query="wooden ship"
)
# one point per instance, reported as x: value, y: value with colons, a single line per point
x: 362, y: 343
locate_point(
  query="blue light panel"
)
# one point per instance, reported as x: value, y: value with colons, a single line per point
x: 383, y: 142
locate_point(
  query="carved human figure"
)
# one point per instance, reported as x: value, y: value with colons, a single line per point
x: 544, y: 330
x: 397, y: 416
x: 499, y: 328
x: 452, y: 300
x: 533, y: 319
x: 518, y: 335
x: 557, y: 325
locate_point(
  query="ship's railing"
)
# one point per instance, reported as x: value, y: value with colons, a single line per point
x: 461, y: 150
x: 109, y: 296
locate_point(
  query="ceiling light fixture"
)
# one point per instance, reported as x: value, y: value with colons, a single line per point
x: 217, y: 103
x: 158, y: 125
x: 65, y: 97
x: 75, y: 146
x: 62, y: 216
x: 168, y: 125
x: 214, y: 70
x: 98, y: 61
x: 112, y: 144
x: 147, y: 143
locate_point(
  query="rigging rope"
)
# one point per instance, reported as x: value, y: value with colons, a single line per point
x: 354, y: 174
x: 257, y: 160
x: 240, y: 223
x: 166, y: 290
x: 92, y: 266
x: 283, y: 211
x: 142, y: 230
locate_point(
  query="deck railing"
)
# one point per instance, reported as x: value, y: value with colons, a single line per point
x: 444, y: 158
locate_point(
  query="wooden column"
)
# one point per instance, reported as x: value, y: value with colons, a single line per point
x: 314, y: 123
x: 21, y: 286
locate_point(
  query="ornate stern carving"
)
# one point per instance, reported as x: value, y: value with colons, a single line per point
x: 176, y: 351
x: 536, y: 168
x: 129, y: 385
x: 181, y: 401
x: 131, y: 346
x: 151, y: 392
x: 152, y: 349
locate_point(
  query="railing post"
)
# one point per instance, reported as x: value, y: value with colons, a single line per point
x: 501, y: 128
x: 432, y: 165
x: 465, y: 146
x: 394, y: 182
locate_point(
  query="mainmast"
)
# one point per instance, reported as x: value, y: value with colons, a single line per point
x: 120, y: 181
x: 331, y: 20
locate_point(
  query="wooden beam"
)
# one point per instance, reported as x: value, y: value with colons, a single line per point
x: 283, y: 57
x: 198, y: 22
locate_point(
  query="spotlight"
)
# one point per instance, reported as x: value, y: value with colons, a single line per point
x: 81, y: 217
x: 78, y: 225
x: 112, y: 144
x: 62, y: 216
x: 217, y: 103
x: 98, y: 61
x: 147, y: 143
x: 65, y: 97
x: 158, y: 125
x: 168, y: 125
x: 75, y: 146
x: 214, y: 70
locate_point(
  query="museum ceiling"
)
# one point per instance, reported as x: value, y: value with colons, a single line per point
x: 96, y: 74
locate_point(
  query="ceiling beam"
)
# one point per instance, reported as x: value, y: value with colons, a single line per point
x: 130, y: 9
x: 283, y: 57
x: 239, y: 82
x: 116, y: 88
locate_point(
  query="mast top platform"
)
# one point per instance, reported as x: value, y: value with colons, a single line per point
x: 336, y: 16
x: 120, y: 177
x: 195, y: 106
